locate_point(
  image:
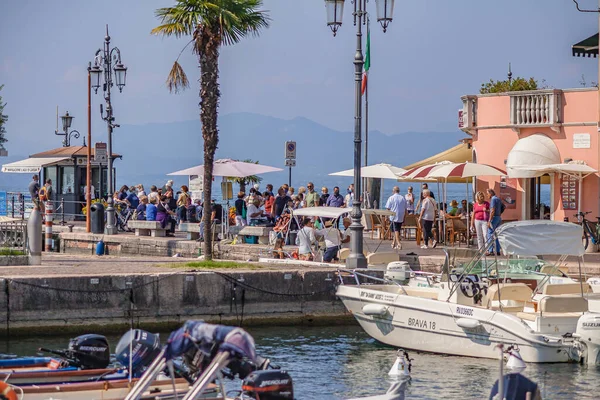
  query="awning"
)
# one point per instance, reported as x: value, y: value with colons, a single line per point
x: 587, y: 47
x: 31, y: 165
x: 530, y: 155
x: 574, y: 169
x: 457, y: 154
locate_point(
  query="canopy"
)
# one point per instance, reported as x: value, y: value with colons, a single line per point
x: 587, y: 47
x: 529, y: 153
x: 464, y: 170
x: 541, y: 237
x: 422, y: 173
x: 457, y: 154
x: 31, y: 165
x: 232, y: 168
x: 335, y: 212
x: 384, y: 171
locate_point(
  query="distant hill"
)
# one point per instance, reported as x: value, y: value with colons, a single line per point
x: 151, y: 151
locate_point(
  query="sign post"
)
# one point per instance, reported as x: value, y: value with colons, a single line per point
x: 290, y: 158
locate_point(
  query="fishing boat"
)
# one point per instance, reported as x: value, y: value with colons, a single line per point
x: 467, y: 315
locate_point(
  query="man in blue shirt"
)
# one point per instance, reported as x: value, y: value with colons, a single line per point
x: 495, y: 219
x: 336, y: 199
x: 397, y: 204
x: 132, y: 198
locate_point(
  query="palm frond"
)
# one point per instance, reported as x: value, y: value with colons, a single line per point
x: 177, y: 80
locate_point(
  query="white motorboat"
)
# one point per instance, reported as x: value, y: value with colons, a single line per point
x: 468, y: 316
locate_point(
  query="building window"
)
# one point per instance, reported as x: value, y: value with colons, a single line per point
x: 68, y: 180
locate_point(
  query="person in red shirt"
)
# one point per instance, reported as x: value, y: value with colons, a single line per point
x: 269, y: 201
x: 481, y: 215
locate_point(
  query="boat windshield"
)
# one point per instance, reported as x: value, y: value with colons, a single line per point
x: 487, y: 267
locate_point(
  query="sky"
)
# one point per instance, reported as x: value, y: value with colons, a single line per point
x: 433, y: 52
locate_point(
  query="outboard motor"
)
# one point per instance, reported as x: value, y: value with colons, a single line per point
x: 144, y: 346
x: 399, y: 272
x: 588, y: 338
x: 89, y: 351
x: 268, y: 385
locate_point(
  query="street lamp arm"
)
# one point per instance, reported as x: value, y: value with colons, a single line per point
x: 74, y: 133
x: 118, y: 53
x: 582, y: 10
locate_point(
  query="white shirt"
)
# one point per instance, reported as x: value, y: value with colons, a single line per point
x: 347, y: 233
x: 396, y: 203
x: 252, y: 209
x: 305, y: 238
x: 93, y: 193
x: 331, y: 235
x: 153, y: 195
x: 410, y: 201
x: 428, y: 208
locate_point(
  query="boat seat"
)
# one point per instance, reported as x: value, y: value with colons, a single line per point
x: 552, y: 289
x: 517, y: 293
x: 566, y: 303
x: 382, y: 258
x: 531, y: 316
x: 552, y: 270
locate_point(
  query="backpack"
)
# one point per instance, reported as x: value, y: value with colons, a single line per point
x: 502, y: 207
x: 43, y: 193
x: 191, y: 214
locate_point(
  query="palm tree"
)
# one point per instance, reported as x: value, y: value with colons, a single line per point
x: 209, y: 24
x: 252, y: 179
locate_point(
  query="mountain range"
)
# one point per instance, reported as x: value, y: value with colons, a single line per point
x: 150, y: 151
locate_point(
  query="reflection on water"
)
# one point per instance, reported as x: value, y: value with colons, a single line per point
x: 340, y: 362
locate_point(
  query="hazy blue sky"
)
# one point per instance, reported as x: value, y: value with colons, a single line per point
x: 434, y: 51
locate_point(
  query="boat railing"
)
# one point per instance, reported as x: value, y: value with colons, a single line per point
x: 357, y: 275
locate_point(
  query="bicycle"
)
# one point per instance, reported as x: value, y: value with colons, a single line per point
x: 122, y: 218
x: 590, y: 229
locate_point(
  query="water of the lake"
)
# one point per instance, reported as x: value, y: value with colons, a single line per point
x: 339, y: 362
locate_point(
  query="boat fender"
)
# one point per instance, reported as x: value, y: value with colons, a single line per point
x: 468, y: 323
x: 515, y: 361
x: 375, y: 309
x: 7, y: 392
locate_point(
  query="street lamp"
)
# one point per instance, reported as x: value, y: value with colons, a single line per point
x: 335, y: 9
x: 103, y: 67
x: 66, y: 124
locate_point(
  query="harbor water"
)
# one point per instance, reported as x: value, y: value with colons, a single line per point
x: 341, y: 362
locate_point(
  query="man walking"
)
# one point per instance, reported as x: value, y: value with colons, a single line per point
x: 495, y: 219
x: 397, y: 204
x: 336, y: 199
x: 312, y: 197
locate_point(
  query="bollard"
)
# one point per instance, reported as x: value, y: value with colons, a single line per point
x: 49, y: 240
x: 111, y: 227
x: 22, y: 199
x: 34, y: 240
x: 13, y: 205
x: 62, y: 211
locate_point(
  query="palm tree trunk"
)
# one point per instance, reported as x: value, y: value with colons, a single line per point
x: 209, y: 104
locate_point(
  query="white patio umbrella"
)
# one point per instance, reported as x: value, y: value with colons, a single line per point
x: 227, y: 167
x: 379, y: 171
x: 463, y: 170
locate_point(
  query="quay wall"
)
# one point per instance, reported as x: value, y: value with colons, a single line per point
x: 59, y: 305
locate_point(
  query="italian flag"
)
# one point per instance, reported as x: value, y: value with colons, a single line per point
x: 367, y: 61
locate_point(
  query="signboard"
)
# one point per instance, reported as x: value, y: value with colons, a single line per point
x: 290, y: 163
x: 290, y: 150
x: 581, y: 141
x: 461, y: 122
x: 196, y: 186
x: 101, y: 153
x: 568, y: 191
x: 508, y: 192
x: 3, y: 153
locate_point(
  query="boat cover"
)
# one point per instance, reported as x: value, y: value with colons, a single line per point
x: 541, y: 237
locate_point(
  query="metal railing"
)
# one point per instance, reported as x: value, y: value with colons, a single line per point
x: 13, y: 235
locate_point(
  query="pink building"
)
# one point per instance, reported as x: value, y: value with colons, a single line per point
x: 545, y: 140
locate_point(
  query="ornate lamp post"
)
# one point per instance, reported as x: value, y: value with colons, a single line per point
x: 103, y: 67
x: 66, y: 123
x: 335, y: 10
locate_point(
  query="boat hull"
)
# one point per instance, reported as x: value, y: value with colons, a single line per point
x: 435, y: 326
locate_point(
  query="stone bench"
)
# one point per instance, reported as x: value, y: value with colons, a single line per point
x: 191, y: 228
x: 147, y: 228
x: 261, y: 231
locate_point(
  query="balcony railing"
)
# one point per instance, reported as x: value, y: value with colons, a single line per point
x: 535, y: 108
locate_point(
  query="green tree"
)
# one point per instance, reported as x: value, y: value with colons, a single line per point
x: 252, y: 179
x: 3, y: 119
x: 209, y: 24
x: 515, y: 85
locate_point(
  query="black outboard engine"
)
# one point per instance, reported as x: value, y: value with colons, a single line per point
x: 272, y: 384
x: 89, y: 351
x: 144, y: 346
